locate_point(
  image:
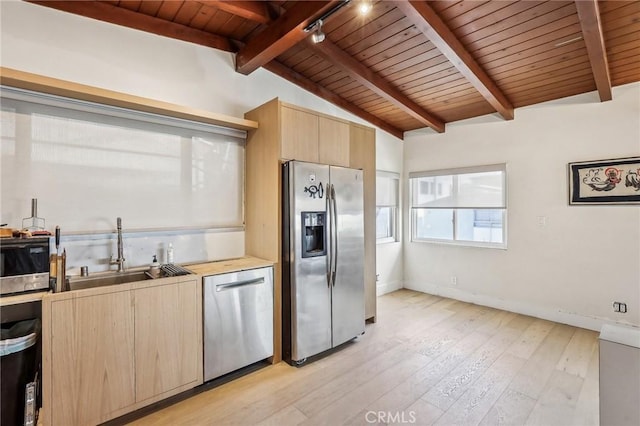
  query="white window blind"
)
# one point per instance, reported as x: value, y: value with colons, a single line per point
x: 387, y: 206
x: 88, y: 163
x: 464, y: 205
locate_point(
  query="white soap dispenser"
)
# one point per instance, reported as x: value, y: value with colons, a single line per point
x: 170, y: 253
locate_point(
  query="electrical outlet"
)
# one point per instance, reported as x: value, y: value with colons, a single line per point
x: 454, y: 280
x: 620, y: 307
x: 377, y: 277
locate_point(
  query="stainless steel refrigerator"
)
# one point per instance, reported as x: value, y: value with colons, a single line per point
x: 323, y: 258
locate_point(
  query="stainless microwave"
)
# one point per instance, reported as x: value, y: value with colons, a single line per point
x: 24, y: 264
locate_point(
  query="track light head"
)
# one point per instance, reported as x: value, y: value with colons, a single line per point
x: 318, y: 36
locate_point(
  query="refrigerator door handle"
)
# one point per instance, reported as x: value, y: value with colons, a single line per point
x: 329, y: 237
x: 334, y: 225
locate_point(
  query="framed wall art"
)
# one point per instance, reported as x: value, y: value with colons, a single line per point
x: 614, y: 181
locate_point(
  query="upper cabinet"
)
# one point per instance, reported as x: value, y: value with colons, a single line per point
x: 334, y: 141
x: 310, y: 136
x: 299, y: 130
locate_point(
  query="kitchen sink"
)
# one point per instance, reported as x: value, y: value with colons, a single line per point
x: 105, y: 279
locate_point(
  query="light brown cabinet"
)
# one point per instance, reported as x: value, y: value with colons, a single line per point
x: 165, y: 338
x: 299, y: 134
x: 363, y: 156
x: 333, y: 145
x: 90, y: 361
x: 111, y: 350
x: 286, y: 132
x: 308, y: 136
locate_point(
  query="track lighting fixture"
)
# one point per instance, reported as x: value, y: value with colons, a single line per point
x: 316, y: 26
x: 318, y: 36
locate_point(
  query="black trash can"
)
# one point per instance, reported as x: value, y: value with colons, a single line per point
x: 18, y: 368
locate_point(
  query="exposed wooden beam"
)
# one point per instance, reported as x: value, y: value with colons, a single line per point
x: 374, y: 82
x: 127, y: 18
x: 589, y: 15
x: 256, y: 11
x: 284, y: 33
x: 296, y: 78
x: 431, y: 25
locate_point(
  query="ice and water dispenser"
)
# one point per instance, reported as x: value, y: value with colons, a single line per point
x: 313, y: 239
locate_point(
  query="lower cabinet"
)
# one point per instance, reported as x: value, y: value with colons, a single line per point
x: 91, y: 361
x: 166, y: 319
x: 112, y: 350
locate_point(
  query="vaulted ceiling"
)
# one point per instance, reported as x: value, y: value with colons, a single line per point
x: 409, y: 64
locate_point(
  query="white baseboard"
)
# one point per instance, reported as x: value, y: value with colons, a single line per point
x: 555, y: 315
x: 384, y: 288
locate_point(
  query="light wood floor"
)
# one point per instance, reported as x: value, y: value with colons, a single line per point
x: 428, y: 360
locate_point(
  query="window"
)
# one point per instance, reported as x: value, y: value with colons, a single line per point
x: 463, y: 206
x: 386, y: 207
x: 90, y: 163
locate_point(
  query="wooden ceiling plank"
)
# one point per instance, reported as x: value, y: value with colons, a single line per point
x: 426, y: 19
x: 298, y: 79
x: 507, y: 49
x: 530, y: 60
x: 498, y: 12
x: 553, y: 92
x: 187, y: 12
x: 371, y: 80
x: 255, y: 11
x: 121, y: 16
x: 150, y: 7
x: 593, y: 37
x: 520, y: 30
x: 282, y: 34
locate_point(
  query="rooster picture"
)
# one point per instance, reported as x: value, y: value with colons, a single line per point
x: 633, y: 179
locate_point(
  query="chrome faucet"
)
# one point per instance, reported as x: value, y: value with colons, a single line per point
x: 120, y: 260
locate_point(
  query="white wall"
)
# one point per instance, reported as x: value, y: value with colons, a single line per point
x: 585, y: 257
x: 44, y: 41
x: 389, y: 264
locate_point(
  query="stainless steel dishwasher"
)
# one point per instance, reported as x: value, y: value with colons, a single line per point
x: 238, y: 320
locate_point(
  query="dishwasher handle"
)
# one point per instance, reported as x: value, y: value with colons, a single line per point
x: 236, y: 284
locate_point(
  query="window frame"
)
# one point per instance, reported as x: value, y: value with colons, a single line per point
x: 394, y: 209
x: 455, y: 172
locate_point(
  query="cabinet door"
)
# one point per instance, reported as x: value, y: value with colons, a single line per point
x: 168, y: 338
x: 92, y: 355
x: 299, y: 133
x: 333, y: 143
x: 363, y: 156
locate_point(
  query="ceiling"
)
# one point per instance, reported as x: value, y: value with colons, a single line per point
x: 409, y: 64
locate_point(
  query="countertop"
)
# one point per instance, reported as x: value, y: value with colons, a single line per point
x: 229, y: 265
x: 203, y: 269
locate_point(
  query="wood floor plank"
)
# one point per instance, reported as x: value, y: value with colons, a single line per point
x: 427, y: 360
x: 476, y: 402
x: 588, y: 405
x: 289, y: 415
x: 511, y: 409
x: 352, y: 403
x: 324, y: 371
x: 531, y: 339
x: 424, y: 413
x: 448, y: 390
x: 536, y: 372
x: 578, y: 353
x: 557, y: 401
